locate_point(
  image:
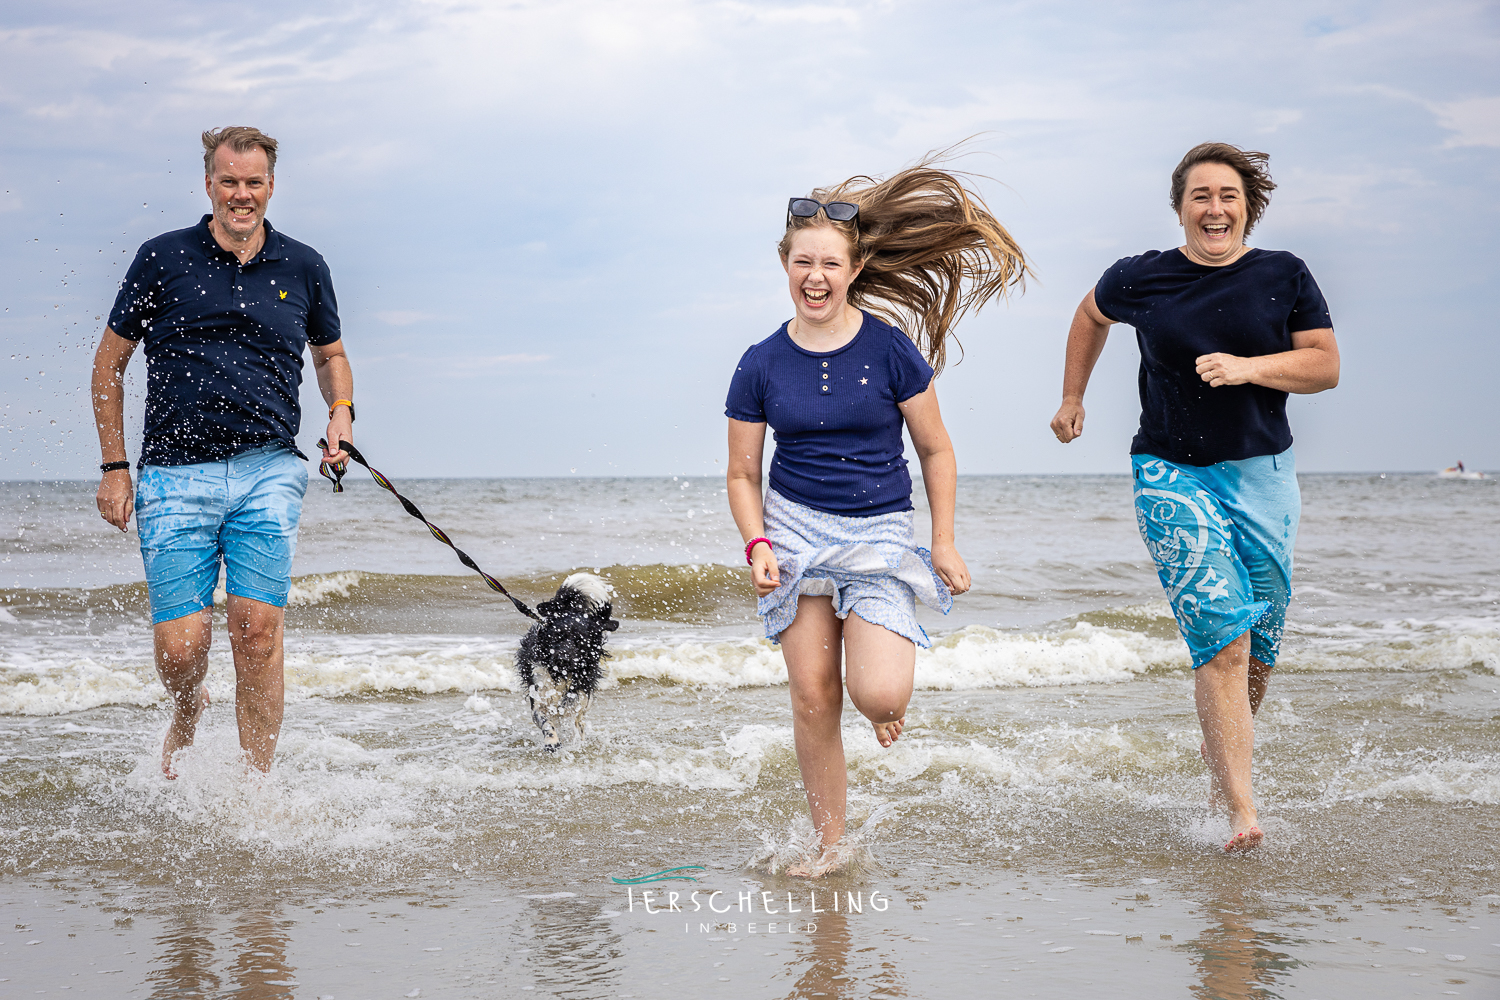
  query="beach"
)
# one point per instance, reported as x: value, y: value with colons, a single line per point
x: 1041, y: 828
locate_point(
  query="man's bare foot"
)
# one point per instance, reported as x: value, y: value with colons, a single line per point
x: 889, y: 732
x: 180, y: 732
x: 827, y: 862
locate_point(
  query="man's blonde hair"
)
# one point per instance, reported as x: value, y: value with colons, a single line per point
x: 241, y: 139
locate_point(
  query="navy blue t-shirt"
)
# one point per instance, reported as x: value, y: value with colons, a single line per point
x: 1181, y: 311
x: 224, y: 341
x: 834, y: 414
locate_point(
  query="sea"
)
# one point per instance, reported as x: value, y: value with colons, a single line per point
x: 1041, y: 829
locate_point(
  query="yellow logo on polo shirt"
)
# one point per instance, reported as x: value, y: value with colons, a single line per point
x: 283, y: 295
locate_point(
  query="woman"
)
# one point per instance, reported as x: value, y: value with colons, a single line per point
x: 1225, y: 332
x: 830, y: 544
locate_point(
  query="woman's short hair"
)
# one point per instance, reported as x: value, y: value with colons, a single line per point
x: 241, y: 139
x: 930, y: 249
x: 1251, y: 167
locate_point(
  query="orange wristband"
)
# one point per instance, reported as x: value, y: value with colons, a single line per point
x: 342, y: 402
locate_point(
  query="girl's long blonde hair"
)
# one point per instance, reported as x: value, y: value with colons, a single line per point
x: 930, y: 248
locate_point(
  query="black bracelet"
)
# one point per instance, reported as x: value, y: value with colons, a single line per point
x: 114, y: 466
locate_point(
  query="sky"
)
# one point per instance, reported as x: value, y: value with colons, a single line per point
x: 552, y: 225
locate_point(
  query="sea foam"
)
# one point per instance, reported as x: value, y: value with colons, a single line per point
x: 44, y: 675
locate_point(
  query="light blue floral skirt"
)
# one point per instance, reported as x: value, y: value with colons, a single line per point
x: 868, y: 565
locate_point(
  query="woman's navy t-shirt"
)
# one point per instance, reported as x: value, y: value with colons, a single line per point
x: 1181, y: 311
x: 835, y: 418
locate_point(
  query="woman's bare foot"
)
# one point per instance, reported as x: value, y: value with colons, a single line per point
x: 181, y: 730
x: 1247, y: 835
x: 889, y: 732
x: 1249, y: 840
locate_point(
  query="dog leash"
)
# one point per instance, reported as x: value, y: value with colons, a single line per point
x: 335, y: 475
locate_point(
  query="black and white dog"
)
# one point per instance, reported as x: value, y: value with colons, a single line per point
x: 561, y: 660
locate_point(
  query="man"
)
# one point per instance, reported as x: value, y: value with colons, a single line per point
x: 225, y: 309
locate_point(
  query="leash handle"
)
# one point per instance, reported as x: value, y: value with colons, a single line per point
x: 334, y: 472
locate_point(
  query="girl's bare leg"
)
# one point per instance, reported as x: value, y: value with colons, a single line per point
x: 881, y: 666
x: 812, y: 646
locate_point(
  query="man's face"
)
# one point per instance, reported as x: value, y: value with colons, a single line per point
x: 239, y: 187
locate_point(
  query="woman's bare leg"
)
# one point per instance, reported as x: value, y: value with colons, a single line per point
x: 1260, y: 679
x: 881, y: 666
x: 1222, y: 694
x: 812, y: 647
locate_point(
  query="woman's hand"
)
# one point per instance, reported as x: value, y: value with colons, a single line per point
x: 1086, y: 339
x: 951, y: 568
x: 763, y: 570
x: 113, y: 498
x: 1226, y: 369
x: 1312, y: 365
x: 1068, y: 424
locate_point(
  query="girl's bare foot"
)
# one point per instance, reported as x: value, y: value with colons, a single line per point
x: 889, y: 732
x: 827, y: 862
x: 181, y: 730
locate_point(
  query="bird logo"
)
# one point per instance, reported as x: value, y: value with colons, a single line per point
x: 283, y: 295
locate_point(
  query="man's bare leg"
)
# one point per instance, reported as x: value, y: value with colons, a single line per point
x: 1222, y: 694
x: 255, y: 635
x: 881, y: 667
x: 182, y: 662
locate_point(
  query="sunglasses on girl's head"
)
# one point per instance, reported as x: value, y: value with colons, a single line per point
x: 806, y: 208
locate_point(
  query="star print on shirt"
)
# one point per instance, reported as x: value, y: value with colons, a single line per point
x: 864, y: 381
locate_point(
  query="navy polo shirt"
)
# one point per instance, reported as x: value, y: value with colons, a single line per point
x: 835, y: 418
x: 224, y: 341
x: 1182, y: 311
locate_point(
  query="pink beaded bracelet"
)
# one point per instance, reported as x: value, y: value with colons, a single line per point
x: 752, y: 543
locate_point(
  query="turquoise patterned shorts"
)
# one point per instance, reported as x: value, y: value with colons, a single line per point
x: 1222, y: 537
x: 870, y: 566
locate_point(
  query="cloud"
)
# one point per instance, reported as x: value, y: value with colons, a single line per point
x: 808, y: 13
x: 1475, y: 121
x: 504, y: 360
x: 470, y: 364
x: 1274, y: 118
x: 403, y: 317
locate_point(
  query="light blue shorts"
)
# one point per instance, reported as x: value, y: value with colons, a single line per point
x: 243, y: 511
x: 1222, y: 538
x: 870, y: 566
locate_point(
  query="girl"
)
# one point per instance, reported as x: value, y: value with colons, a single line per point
x: 830, y: 543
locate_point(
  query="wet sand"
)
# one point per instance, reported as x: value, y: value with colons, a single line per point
x: 945, y: 930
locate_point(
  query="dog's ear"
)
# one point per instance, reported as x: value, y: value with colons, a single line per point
x: 602, y: 616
